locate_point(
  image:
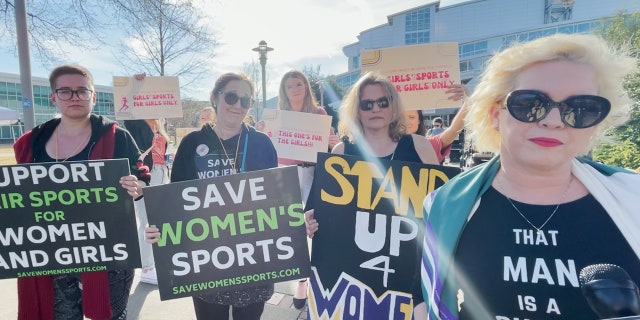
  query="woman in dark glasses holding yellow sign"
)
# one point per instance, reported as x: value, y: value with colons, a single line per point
x: 228, y: 147
x: 509, y: 238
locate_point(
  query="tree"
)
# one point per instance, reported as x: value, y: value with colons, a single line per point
x: 165, y: 38
x: 325, y: 88
x: 52, y: 24
x: 622, y: 146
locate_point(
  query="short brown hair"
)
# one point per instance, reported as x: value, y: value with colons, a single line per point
x: 69, y: 69
x: 222, y: 82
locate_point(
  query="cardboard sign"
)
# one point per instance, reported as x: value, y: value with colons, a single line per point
x: 228, y: 232
x: 372, y: 211
x: 150, y: 98
x: 66, y: 217
x: 297, y: 135
x: 421, y: 73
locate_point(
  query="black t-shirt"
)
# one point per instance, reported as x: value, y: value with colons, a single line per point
x: 506, y: 269
x: 202, y: 155
x: 404, y: 151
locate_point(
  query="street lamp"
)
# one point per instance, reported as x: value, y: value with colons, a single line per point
x: 262, y: 48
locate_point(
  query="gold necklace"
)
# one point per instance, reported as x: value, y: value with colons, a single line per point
x: 75, y: 151
x: 233, y: 164
x: 539, y: 229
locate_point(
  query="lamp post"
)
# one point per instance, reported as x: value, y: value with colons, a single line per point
x: 262, y: 49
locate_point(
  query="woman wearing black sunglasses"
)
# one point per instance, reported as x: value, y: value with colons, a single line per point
x: 228, y: 147
x: 373, y: 116
x: 509, y: 238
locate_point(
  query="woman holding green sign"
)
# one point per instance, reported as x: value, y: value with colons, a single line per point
x: 228, y: 147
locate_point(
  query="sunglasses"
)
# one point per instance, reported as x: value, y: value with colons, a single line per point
x: 581, y: 111
x: 366, y: 105
x: 231, y: 98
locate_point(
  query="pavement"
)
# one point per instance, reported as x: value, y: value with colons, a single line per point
x: 145, y: 304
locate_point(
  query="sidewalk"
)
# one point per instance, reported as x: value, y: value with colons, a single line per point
x: 145, y: 304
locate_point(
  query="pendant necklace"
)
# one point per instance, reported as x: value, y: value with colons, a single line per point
x: 539, y: 229
x: 75, y: 151
x: 233, y: 164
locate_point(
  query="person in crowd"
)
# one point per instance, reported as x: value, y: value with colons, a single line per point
x: 373, y: 118
x: 295, y: 95
x: 508, y: 238
x: 234, y: 147
x: 207, y: 116
x: 77, y: 135
x: 153, y: 141
x: 437, y: 127
x: 250, y: 121
x: 415, y: 122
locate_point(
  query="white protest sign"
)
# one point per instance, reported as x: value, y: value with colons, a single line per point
x: 297, y: 135
x: 149, y: 98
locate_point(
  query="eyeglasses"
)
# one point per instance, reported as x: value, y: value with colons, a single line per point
x: 366, y: 105
x: 67, y: 94
x: 581, y: 111
x: 231, y: 98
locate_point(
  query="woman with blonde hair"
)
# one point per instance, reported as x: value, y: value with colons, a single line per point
x: 373, y: 120
x: 508, y: 238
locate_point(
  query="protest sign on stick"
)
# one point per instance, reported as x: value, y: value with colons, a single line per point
x: 150, y: 98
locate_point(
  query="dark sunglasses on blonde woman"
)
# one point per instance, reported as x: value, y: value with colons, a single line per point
x: 366, y: 105
x: 580, y: 111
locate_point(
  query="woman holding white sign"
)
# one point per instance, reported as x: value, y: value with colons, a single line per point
x: 228, y: 147
x: 296, y: 95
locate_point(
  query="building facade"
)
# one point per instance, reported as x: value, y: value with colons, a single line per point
x: 480, y: 27
x: 43, y: 109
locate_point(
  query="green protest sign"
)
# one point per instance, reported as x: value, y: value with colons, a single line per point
x: 66, y: 217
x: 228, y: 232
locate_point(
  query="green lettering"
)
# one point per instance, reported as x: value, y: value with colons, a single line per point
x: 271, y: 219
x: 245, y: 222
x: 296, y: 211
x: 82, y: 196
x: 111, y: 194
x: 167, y: 231
x: 35, y: 200
x: 227, y: 223
x: 190, y: 229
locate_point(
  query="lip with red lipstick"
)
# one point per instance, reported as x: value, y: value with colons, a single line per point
x: 546, y: 142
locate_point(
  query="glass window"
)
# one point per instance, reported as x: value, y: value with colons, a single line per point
x: 463, y: 66
x: 566, y: 29
x: 535, y: 35
x: 3, y: 87
x: 583, y: 27
x: 11, y: 89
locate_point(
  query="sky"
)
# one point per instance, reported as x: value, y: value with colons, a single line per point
x: 303, y: 33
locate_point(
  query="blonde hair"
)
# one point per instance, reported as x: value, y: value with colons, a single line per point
x: 308, y: 105
x: 499, y: 76
x: 350, y: 124
x: 157, y: 123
